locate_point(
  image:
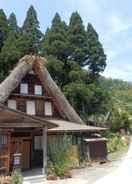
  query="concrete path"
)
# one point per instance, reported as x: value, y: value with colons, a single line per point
x: 88, y: 175
x: 110, y: 173
x: 122, y: 175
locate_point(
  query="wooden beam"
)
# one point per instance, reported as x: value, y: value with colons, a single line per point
x: 44, y: 150
x: 18, y: 125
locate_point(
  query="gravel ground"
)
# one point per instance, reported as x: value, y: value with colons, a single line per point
x: 89, y: 175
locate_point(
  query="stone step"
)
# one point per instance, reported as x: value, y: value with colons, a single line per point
x: 39, y: 179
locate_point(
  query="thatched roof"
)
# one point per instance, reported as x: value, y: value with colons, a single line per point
x: 24, y: 66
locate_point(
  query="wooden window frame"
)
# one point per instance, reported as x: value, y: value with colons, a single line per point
x: 27, y: 88
x: 35, y: 89
x: 34, y: 107
x: 14, y: 105
x: 48, y: 115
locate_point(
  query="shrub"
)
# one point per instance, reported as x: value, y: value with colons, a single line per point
x: 16, y: 177
x: 115, y: 142
x: 59, y: 156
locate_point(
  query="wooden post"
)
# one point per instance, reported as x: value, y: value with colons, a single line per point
x: 88, y: 153
x: 44, y: 150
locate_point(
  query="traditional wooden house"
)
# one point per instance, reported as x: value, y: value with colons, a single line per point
x: 33, y: 106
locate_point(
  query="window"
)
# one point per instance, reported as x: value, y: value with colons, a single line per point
x: 31, y: 72
x: 31, y: 107
x: 38, y: 143
x: 24, y: 88
x: 48, y: 109
x: 12, y: 104
x: 3, y: 140
x: 38, y: 89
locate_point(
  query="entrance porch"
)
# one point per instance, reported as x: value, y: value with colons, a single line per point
x: 19, y: 134
x: 31, y: 144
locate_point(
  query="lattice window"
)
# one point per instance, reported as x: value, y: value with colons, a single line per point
x: 3, y: 140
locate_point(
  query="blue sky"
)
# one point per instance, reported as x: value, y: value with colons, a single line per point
x: 112, y: 20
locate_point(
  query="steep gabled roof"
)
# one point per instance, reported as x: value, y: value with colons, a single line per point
x: 24, y: 66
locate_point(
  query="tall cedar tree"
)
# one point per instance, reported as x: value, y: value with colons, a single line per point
x: 12, y: 23
x: 10, y: 52
x: 55, y: 39
x: 31, y: 32
x: 3, y: 28
x: 96, y: 58
x: 77, y: 39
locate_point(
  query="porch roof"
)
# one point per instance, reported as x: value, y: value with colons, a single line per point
x: 10, y: 118
x: 101, y: 139
x: 66, y: 126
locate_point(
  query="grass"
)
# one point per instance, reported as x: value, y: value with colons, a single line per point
x: 117, y: 155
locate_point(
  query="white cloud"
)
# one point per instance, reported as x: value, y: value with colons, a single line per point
x: 111, y: 54
x: 119, y: 71
x: 117, y: 24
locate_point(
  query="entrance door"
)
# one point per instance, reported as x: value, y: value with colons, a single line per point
x: 22, y: 145
x: 25, y: 147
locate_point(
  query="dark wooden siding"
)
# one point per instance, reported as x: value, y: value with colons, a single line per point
x: 98, y: 150
x: 32, y: 80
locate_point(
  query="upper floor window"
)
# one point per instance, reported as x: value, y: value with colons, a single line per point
x: 12, y: 104
x: 30, y: 108
x: 48, y: 109
x: 31, y: 72
x: 38, y: 89
x: 24, y: 88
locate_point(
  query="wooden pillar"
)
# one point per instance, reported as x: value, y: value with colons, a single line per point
x: 44, y: 150
x: 88, y: 152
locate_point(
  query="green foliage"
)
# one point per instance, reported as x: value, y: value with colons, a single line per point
x: 3, y: 27
x: 115, y: 142
x: 87, y: 99
x: 120, y: 91
x: 77, y: 39
x: 96, y: 58
x: 16, y: 177
x: 119, y: 113
x: 55, y: 68
x: 55, y: 39
x: 9, y: 54
x: 31, y: 31
x: 59, y: 161
x: 72, y: 42
x: 120, y: 119
x: 12, y: 23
